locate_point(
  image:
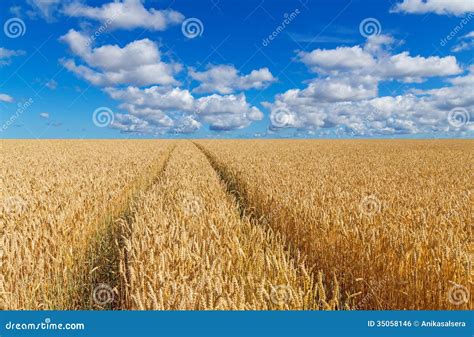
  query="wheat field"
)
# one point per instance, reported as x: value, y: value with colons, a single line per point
x: 236, y: 224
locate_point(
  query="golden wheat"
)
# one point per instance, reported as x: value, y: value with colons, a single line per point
x: 187, y: 247
x: 57, y: 200
x: 236, y: 224
x: 392, y: 219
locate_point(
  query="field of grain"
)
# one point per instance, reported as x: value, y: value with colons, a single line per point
x: 59, y: 199
x: 236, y: 224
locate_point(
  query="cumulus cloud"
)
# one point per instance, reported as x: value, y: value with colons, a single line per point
x: 373, y: 59
x: 416, y: 68
x: 155, y: 97
x: 150, y: 96
x: 450, y: 7
x: 6, y: 55
x: 466, y: 43
x: 45, y: 8
x: 337, y: 60
x: 137, y: 63
x: 44, y: 115
x: 425, y: 112
x: 225, y: 79
x: 153, y: 110
x: 126, y: 14
x: 163, y: 109
x: 134, y: 124
x: 227, y: 112
x: 334, y: 89
x: 345, y: 93
x: 6, y: 98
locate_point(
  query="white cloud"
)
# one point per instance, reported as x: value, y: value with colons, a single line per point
x: 345, y: 96
x: 336, y: 89
x: 6, y: 98
x: 442, y: 7
x: 46, y: 8
x: 6, y: 55
x: 137, y: 63
x: 225, y: 79
x: 163, y: 109
x: 227, y: 112
x: 151, y: 110
x: 44, y: 115
x: 373, y: 59
x: 466, y: 43
x: 354, y: 73
x: 154, y: 97
x: 404, y: 114
x: 134, y: 124
x: 416, y: 68
x: 126, y: 14
x: 467, y: 80
x: 337, y: 60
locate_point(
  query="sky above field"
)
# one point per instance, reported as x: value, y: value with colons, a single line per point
x: 240, y: 69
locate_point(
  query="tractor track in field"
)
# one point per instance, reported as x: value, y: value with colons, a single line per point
x: 106, y: 288
x: 258, y: 217
x: 229, y: 183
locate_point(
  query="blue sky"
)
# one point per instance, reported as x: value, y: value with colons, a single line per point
x: 218, y: 68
